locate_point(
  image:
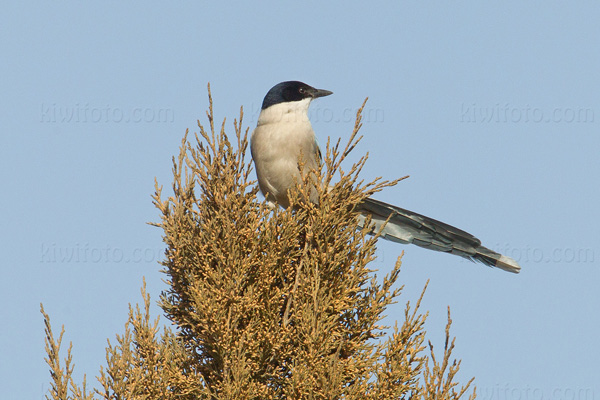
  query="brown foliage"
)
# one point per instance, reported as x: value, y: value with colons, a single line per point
x: 267, y: 303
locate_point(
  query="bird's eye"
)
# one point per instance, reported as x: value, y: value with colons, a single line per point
x: 301, y: 90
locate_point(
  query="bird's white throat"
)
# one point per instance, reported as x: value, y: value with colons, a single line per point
x: 289, y: 112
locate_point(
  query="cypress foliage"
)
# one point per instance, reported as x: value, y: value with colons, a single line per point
x: 266, y: 303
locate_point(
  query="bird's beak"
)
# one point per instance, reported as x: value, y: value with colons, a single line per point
x: 320, y: 93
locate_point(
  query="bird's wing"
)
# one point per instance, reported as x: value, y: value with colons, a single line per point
x: 318, y: 152
x: 405, y: 226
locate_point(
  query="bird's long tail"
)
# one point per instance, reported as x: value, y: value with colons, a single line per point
x: 407, y: 227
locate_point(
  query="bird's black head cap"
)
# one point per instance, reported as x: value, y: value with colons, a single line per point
x: 288, y: 91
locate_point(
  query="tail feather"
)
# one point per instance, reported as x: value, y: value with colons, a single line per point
x: 408, y: 227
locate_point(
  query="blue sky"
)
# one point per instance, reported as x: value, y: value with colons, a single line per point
x: 492, y: 108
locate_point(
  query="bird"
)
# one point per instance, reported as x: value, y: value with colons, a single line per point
x: 284, y: 134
